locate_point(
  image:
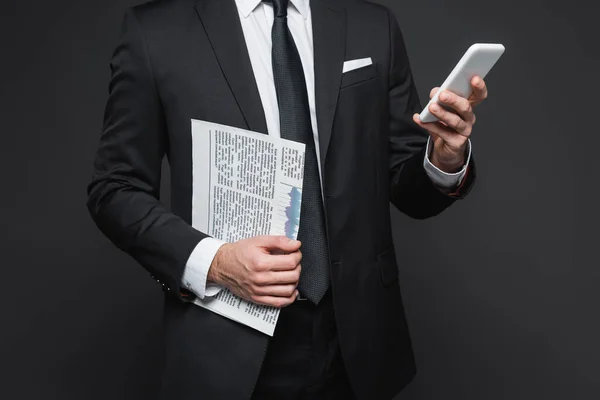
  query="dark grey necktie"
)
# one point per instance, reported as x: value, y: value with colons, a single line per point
x: 294, y: 117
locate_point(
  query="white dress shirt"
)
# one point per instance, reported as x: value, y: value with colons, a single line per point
x: 257, y: 20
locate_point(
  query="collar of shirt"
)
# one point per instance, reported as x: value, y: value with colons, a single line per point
x: 247, y: 6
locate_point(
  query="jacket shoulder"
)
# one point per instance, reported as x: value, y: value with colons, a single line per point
x: 161, y: 11
x: 366, y: 8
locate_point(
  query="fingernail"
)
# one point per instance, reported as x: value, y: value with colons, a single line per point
x: 444, y: 96
x: 434, y: 108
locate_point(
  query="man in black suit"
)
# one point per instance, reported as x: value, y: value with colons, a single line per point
x: 334, y: 75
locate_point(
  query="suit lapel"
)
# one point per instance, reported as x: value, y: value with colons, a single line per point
x: 222, y: 25
x: 329, y: 38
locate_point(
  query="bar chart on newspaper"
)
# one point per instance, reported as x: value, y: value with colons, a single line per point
x: 288, y: 210
x: 244, y: 184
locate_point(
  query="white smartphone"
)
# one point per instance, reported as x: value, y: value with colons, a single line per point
x: 477, y: 61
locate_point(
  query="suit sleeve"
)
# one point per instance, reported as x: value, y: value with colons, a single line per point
x: 123, y: 196
x: 412, y: 191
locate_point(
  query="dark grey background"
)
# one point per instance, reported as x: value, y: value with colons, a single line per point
x: 501, y: 291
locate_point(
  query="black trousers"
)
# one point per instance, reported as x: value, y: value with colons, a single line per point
x: 303, y: 359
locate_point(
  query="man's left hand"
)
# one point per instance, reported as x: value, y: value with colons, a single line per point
x: 451, y: 133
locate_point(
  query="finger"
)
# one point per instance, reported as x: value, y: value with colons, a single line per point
x: 459, y: 104
x: 437, y: 129
x: 480, y: 91
x: 423, y: 125
x: 270, y: 278
x: 278, y: 262
x: 275, y: 290
x: 278, y: 302
x: 452, y: 120
x: 282, y: 243
x: 433, y: 92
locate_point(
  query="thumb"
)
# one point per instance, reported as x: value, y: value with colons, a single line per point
x: 278, y: 243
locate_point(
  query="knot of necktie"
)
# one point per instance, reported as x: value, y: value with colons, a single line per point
x: 279, y: 7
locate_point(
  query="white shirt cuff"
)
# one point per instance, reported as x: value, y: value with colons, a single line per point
x: 196, y: 269
x: 443, y: 179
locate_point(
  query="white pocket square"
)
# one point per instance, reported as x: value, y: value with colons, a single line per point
x: 356, y: 64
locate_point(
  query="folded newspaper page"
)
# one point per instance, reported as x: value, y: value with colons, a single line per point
x: 245, y: 184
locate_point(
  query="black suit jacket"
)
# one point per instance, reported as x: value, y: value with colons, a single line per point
x: 183, y: 59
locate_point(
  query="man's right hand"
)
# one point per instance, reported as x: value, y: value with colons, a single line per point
x: 262, y: 269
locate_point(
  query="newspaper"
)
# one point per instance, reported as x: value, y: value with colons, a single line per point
x: 245, y: 184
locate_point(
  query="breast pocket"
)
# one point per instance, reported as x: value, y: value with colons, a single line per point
x: 359, y: 75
